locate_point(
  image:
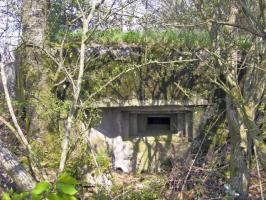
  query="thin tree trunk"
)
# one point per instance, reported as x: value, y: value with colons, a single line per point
x: 20, y: 136
x: 19, y: 133
x: 77, y: 88
x: 239, y: 171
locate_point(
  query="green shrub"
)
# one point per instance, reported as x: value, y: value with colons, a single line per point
x: 63, y: 189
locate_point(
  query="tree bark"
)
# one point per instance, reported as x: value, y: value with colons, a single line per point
x: 15, y: 170
x: 239, y: 158
x: 34, y: 21
x: 32, y: 76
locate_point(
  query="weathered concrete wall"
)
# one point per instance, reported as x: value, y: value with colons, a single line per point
x: 111, y: 123
x: 143, y: 153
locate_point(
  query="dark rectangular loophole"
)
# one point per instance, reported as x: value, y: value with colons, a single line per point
x: 158, y: 120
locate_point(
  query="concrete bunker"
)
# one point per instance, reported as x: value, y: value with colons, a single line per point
x: 142, y: 135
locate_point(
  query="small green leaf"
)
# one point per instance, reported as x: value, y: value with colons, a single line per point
x: 73, y: 198
x: 66, y: 188
x: 5, y: 196
x: 41, y: 188
x: 65, y: 178
x: 24, y: 195
x: 36, y: 197
x: 54, y: 196
x: 16, y: 196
